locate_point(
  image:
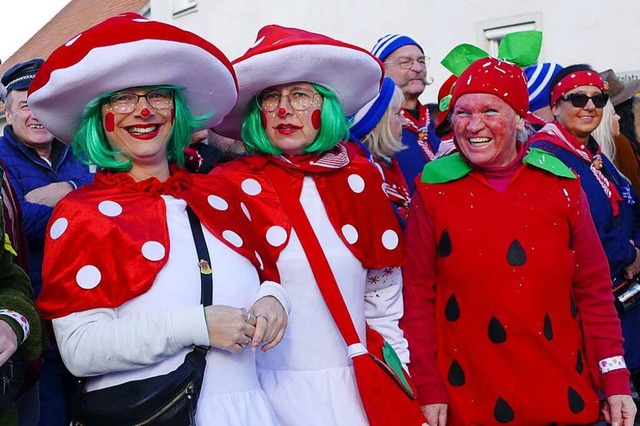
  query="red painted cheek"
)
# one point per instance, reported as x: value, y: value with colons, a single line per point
x: 173, y: 115
x: 315, y: 119
x: 263, y: 118
x: 109, y: 122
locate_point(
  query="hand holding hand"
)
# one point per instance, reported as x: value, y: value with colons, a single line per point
x: 49, y: 195
x: 228, y: 328
x: 619, y: 410
x: 8, y: 342
x: 271, y: 322
x: 436, y: 414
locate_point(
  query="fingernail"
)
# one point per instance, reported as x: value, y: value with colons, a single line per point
x: 254, y: 347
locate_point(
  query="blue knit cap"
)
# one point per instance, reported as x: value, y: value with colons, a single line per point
x: 390, y: 43
x: 538, y: 83
x: 368, y: 117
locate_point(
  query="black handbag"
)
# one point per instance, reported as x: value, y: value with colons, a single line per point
x: 167, y: 400
x: 12, y: 374
x: 626, y: 293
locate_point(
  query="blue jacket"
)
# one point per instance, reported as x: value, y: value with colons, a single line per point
x: 29, y: 171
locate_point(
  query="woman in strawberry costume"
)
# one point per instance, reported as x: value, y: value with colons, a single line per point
x: 508, y: 305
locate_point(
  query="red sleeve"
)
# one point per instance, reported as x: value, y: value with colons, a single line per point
x: 419, y: 295
x: 594, y: 301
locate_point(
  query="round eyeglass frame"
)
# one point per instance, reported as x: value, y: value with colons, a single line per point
x: 258, y: 99
x: 130, y: 107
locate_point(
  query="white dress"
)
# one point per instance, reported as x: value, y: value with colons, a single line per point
x: 151, y: 334
x: 308, y: 377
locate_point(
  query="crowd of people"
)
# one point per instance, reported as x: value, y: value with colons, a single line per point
x: 293, y: 238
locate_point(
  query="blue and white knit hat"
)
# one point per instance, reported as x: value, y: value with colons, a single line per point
x: 368, y: 117
x: 538, y: 83
x: 388, y: 44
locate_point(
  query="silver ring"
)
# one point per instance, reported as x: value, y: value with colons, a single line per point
x: 262, y: 316
x: 245, y: 343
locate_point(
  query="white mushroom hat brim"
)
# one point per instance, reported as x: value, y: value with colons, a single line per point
x: 284, y: 55
x: 127, y: 51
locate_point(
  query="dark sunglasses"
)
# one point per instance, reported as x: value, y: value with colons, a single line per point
x: 579, y: 100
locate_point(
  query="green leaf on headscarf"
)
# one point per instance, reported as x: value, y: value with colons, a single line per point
x: 521, y: 48
x: 461, y: 57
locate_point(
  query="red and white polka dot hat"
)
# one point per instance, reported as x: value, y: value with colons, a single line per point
x: 284, y: 55
x: 126, y: 51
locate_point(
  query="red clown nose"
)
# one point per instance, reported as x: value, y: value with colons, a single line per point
x: 144, y: 112
x: 282, y: 111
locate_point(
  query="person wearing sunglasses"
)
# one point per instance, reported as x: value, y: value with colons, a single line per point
x: 577, y: 99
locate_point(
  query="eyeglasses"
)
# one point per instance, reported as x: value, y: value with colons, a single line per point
x: 299, y: 100
x: 406, y: 63
x: 579, y: 100
x: 125, y: 102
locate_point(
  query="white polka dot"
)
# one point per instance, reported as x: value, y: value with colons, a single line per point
x: 153, y: 250
x: 356, y: 183
x: 390, y: 239
x: 88, y: 277
x: 232, y: 238
x: 217, y: 202
x: 350, y: 234
x: 140, y: 20
x: 259, y: 260
x: 110, y: 208
x: 58, y: 228
x: 245, y: 210
x: 589, y: 73
x: 573, y: 76
x: 73, y: 40
x: 251, y: 187
x: 276, y: 236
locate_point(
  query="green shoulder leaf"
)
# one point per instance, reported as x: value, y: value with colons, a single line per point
x: 445, y: 169
x: 549, y: 162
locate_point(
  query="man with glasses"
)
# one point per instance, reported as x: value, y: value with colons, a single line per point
x: 405, y: 62
x: 42, y: 170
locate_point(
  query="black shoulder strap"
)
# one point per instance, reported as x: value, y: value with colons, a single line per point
x: 206, y: 275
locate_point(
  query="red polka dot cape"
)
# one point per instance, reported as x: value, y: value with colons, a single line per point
x: 350, y: 189
x: 107, y: 241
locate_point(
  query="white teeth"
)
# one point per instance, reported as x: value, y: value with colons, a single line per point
x: 479, y: 140
x: 142, y: 130
x: 36, y: 126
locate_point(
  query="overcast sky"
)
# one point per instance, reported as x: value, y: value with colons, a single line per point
x: 21, y: 19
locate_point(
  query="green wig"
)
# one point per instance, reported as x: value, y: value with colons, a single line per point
x: 90, y: 141
x: 333, y: 127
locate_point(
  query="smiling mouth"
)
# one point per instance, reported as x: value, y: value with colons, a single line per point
x: 36, y: 126
x: 147, y: 131
x: 480, y: 142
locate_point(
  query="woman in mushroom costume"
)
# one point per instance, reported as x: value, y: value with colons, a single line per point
x: 294, y: 89
x: 121, y: 274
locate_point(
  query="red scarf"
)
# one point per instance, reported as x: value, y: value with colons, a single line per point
x: 563, y: 139
x: 421, y: 129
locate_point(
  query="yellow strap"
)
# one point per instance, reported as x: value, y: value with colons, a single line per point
x: 7, y: 245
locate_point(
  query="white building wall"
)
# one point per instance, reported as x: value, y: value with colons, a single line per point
x: 605, y: 33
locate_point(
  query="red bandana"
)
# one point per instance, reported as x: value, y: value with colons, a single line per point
x: 421, y: 128
x: 107, y: 241
x: 566, y: 140
x: 576, y: 79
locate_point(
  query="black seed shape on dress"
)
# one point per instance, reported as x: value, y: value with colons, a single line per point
x: 574, y: 308
x: 576, y: 403
x: 456, y: 375
x: 579, y: 364
x: 497, y: 333
x: 548, y: 330
x: 516, y: 255
x: 452, y: 310
x: 444, y: 246
x: 502, y: 411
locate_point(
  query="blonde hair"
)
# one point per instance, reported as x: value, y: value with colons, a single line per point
x: 603, y: 134
x: 380, y: 141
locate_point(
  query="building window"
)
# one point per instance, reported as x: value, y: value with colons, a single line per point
x: 491, y: 32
